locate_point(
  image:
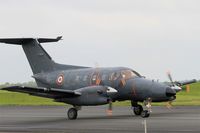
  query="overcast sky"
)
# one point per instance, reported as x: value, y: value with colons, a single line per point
x: 150, y: 36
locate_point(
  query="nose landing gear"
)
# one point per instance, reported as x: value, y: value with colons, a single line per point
x: 146, y: 113
x: 138, y: 109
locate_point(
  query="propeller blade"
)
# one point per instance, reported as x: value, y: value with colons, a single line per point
x: 169, y: 104
x: 109, y: 111
x: 170, y: 78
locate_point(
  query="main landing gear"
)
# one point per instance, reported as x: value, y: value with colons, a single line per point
x: 138, y: 109
x: 73, y: 112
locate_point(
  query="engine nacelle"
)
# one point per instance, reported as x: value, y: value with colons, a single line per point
x: 92, y: 95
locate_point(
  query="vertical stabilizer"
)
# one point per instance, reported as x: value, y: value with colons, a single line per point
x: 38, y: 58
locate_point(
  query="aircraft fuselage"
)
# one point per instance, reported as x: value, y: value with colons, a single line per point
x: 129, y: 84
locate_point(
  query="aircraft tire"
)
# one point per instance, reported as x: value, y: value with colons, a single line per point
x: 137, y: 110
x: 145, y: 114
x: 72, y: 113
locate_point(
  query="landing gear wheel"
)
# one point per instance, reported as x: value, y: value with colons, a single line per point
x: 137, y: 110
x: 72, y: 113
x: 145, y: 114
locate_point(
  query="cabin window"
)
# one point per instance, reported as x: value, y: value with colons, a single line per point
x: 104, y: 77
x: 114, y: 76
x: 111, y: 76
x: 94, y: 77
x: 77, y: 78
x: 85, y: 78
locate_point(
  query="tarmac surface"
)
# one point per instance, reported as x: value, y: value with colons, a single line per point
x: 181, y: 119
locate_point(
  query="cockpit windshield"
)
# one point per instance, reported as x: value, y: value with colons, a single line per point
x: 127, y: 74
x: 124, y: 74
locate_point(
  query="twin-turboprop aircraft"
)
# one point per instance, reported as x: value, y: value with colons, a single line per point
x: 85, y: 86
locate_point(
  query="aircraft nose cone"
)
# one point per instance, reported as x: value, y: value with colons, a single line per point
x: 170, y: 92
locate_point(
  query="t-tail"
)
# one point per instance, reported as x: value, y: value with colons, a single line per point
x: 38, y: 58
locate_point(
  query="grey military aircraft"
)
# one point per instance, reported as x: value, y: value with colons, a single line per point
x: 86, y: 86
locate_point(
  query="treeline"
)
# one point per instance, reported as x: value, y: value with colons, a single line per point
x: 30, y: 84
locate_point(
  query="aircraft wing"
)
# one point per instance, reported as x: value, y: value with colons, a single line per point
x: 186, y: 82
x: 43, y: 92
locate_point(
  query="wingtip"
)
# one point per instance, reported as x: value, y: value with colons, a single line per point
x: 59, y: 38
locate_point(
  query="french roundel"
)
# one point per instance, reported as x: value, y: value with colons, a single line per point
x: 60, y: 79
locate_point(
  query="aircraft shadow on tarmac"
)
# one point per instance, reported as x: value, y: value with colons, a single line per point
x: 37, y: 121
x: 45, y: 121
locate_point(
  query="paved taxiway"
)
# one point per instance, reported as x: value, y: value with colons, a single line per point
x: 94, y: 120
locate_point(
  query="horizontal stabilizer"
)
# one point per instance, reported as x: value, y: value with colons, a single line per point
x: 21, y: 41
x: 43, y: 92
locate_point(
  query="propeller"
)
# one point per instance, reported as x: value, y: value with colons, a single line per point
x: 96, y: 80
x: 111, y: 92
x: 170, y: 78
x: 110, y: 107
x: 169, y: 104
x: 174, y: 87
